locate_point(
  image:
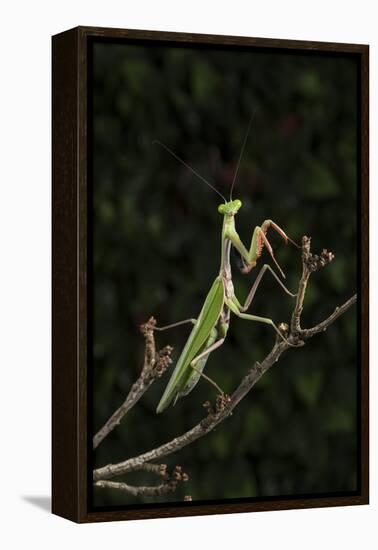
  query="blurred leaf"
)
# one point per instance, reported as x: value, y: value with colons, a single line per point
x: 335, y: 271
x: 321, y: 183
x: 310, y: 84
x: 204, y: 81
x: 219, y: 445
x: 339, y: 420
x: 308, y: 385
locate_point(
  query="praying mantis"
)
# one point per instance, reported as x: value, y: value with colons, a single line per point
x: 211, y: 326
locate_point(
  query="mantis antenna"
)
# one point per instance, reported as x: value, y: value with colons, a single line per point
x: 189, y: 167
x: 242, y: 151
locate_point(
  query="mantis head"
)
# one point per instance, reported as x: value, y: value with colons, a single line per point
x: 230, y: 208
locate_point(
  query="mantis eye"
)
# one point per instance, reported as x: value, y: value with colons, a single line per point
x: 237, y: 203
x: 221, y: 209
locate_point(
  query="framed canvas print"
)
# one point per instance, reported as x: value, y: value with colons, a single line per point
x: 210, y: 274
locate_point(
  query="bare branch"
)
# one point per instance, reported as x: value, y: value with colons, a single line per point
x: 321, y: 327
x: 167, y: 486
x: 225, y: 404
x: 154, y: 366
x: 224, y: 408
x: 136, y: 491
x: 310, y: 264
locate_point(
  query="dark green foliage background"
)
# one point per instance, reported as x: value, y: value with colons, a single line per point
x: 156, y: 252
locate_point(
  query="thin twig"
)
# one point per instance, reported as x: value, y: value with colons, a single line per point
x: 224, y: 404
x: 154, y: 366
x: 321, y: 327
x: 168, y: 485
x: 310, y: 263
x: 137, y: 490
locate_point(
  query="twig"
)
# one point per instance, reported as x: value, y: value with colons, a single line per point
x: 310, y: 263
x: 136, y: 491
x: 224, y: 404
x: 321, y: 327
x: 154, y: 366
x: 167, y: 486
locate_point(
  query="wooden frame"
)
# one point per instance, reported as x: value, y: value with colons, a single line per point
x: 70, y: 477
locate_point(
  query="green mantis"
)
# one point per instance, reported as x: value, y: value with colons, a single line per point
x: 211, y: 326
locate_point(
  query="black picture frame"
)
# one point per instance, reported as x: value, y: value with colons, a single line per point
x: 71, y: 308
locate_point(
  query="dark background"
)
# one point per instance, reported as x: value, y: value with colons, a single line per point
x: 156, y: 251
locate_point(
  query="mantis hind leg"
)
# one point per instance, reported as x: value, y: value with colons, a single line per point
x: 255, y: 285
x: 207, y: 351
x: 210, y: 380
x: 234, y: 306
x: 198, y: 363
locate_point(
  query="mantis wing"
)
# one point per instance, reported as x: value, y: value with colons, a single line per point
x: 206, y: 321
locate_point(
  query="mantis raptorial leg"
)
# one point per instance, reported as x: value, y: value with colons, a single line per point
x: 258, y: 241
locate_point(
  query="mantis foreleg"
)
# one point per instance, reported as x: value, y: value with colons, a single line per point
x: 258, y: 241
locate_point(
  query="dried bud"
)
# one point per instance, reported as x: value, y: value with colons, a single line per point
x: 284, y: 327
x: 176, y: 474
x: 222, y: 401
x: 284, y: 330
x: 208, y: 407
x: 163, y: 470
x: 163, y: 360
x: 314, y: 262
x: 306, y: 241
x: 147, y: 327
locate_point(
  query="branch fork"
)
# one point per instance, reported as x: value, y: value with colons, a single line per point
x: 168, y: 484
x: 156, y: 363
